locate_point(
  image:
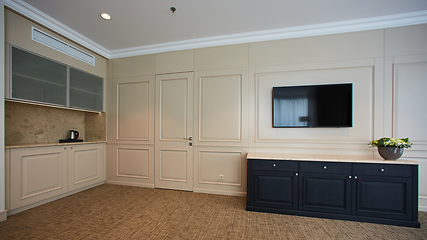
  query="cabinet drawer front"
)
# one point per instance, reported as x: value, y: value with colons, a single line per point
x: 396, y: 170
x: 271, y: 165
x: 325, y: 167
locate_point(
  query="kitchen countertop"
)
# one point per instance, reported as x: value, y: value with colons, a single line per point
x: 50, y: 144
x: 325, y: 158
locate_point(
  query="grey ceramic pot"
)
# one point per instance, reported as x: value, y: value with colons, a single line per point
x: 390, y: 153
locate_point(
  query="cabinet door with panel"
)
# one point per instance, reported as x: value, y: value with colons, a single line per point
x: 85, y: 165
x: 382, y: 190
x: 325, y: 187
x: 37, y: 174
x: 274, y: 184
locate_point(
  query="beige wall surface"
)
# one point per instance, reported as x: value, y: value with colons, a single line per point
x: 232, y: 101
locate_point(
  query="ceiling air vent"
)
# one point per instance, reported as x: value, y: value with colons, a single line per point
x: 50, y: 41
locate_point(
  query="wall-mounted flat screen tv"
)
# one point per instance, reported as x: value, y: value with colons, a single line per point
x: 327, y: 105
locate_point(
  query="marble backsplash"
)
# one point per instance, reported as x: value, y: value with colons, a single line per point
x: 33, y: 124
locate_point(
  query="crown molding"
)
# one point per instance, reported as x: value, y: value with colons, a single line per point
x: 389, y: 21
x: 51, y: 23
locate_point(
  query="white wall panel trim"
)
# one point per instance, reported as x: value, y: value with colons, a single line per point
x: 201, y: 110
x: 185, y: 109
x: 238, y: 183
x: 362, y: 77
x: 162, y: 164
x: 118, y: 174
x: 148, y: 129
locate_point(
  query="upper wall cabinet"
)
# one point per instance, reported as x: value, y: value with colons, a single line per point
x: 37, y: 79
x: 41, y: 80
x: 85, y: 90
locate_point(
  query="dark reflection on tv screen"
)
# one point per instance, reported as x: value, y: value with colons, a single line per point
x: 328, y: 105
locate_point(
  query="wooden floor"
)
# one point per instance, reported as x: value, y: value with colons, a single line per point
x: 123, y: 212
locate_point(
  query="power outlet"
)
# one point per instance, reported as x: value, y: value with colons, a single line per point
x: 221, y: 177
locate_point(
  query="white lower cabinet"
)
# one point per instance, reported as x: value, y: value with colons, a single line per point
x: 86, y: 165
x: 40, y: 173
x: 37, y: 174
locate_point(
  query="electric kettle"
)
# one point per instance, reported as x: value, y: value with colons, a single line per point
x: 74, y: 135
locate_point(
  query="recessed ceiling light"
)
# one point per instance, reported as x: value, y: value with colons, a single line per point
x: 105, y: 16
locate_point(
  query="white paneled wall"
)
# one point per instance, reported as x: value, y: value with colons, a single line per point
x: 130, y: 147
x: 410, y: 112
x: 232, y: 106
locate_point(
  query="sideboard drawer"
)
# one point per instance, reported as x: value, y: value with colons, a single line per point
x: 325, y: 167
x: 392, y: 170
x: 271, y: 165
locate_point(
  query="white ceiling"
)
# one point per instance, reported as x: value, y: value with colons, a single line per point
x: 148, y: 26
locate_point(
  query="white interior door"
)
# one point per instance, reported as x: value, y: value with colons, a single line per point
x: 174, y: 131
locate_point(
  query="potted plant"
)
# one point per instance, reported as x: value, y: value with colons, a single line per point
x: 391, y: 148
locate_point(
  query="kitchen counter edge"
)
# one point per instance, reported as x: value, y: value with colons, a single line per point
x: 50, y: 144
x: 330, y: 158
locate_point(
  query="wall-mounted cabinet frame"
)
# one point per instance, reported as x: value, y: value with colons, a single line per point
x: 37, y: 79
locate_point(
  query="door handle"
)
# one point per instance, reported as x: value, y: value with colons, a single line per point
x: 189, y: 138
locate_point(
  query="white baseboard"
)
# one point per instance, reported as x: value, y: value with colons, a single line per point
x: 21, y: 209
x: 3, y: 215
x: 130, y: 184
x: 422, y: 204
x: 219, y: 192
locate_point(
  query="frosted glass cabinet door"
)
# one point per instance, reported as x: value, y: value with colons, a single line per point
x: 38, y: 79
x: 85, y: 90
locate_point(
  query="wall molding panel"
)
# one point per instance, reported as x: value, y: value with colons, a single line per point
x: 133, y: 163
x: 213, y: 164
x: 130, y: 164
x: 220, y: 108
x: 132, y: 110
x: 362, y: 78
x: 128, y: 95
x: 173, y: 165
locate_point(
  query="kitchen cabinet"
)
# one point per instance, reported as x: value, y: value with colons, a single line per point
x: 368, y: 192
x: 41, y: 173
x: 38, y: 79
x: 85, y: 165
x: 37, y: 174
x: 86, y: 90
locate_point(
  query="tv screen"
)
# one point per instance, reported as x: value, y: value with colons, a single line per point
x: 328, y: 105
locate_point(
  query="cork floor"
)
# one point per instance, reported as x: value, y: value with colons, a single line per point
x: 124, y: 212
